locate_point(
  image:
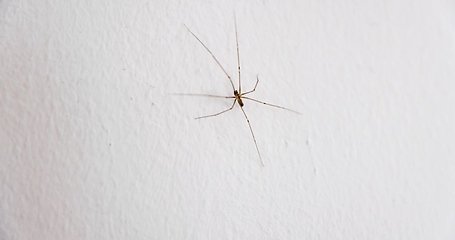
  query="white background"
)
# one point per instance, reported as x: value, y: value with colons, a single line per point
x: 94, y: 145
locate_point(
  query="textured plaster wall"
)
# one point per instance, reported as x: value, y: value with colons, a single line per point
x: 94, y: 145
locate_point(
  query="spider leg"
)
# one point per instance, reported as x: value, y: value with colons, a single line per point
x: 216, y: 114
x: 254, y: 89
x: 202, y: 95
x: 216, y: 60
x: 238, y: 55
x: 252, y: 134
x: 272, y: 105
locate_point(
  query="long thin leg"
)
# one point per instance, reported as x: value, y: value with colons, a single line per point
x: 219, y: 64
x: 238, y: 55
x: 272, y: 105
x: 216, y: 114
x: 254, y: 89
x: 202, y: 95
x: 252, y: 134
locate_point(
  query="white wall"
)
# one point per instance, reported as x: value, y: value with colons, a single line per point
x: 94, y: 145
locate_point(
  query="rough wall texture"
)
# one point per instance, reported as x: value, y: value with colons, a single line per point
x: 94, y: 145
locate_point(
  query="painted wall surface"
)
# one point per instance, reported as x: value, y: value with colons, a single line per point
x: 94, y: 144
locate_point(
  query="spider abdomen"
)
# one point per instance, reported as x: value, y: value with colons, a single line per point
x: 238, y: 97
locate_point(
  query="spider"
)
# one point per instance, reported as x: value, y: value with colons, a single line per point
x: 238, y: 96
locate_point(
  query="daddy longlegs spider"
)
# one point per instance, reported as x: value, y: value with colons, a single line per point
x: 238, y: 95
